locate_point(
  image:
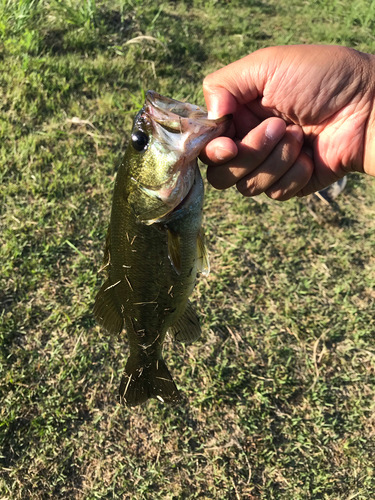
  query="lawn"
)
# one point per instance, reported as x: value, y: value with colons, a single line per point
x: 279, y: 394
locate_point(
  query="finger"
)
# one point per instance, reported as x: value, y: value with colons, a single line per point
x: 209, y: 156
x: 219, y: 151
x: 322, y: 176
x: 318, y: 182
x: 244, y: 120
x: 252, y: 151
x: 277, y: 163
x: 293, y: 180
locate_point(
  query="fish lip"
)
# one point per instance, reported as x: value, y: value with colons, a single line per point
x: 175, y: 116
x: 165, y: 106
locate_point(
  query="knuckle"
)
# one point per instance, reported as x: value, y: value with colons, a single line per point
x: 286, y: 153
x: 289, y: 152
x: 279, y: 195
x: 249, y: 187
x: 306, y: 166
x: 285, y: 197
x: 308, y: 163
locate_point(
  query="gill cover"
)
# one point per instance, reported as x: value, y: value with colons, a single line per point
x: 167, y: 137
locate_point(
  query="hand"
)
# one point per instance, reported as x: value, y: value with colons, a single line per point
x: 303, y: 117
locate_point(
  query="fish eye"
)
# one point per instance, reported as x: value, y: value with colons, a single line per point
x: 139, y: 140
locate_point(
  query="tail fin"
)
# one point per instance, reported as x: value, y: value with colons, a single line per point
x: 140, y: 383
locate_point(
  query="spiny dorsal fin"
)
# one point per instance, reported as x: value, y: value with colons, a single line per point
x: 203, y: 263
x: 187, y: 327
x: 174, y: 250
x: 106, y: 310
x: 140, y: 383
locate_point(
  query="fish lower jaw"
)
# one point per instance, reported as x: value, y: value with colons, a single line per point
x: 176, y: 198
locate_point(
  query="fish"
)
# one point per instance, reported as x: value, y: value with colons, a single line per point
x: 155, y: 245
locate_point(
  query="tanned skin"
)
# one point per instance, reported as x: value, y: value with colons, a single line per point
x: 303, y: 117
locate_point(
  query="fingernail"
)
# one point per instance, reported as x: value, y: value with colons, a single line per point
x: 275, y: 130
x: 213, y: 114
x: 223, y: 154
x: 297, y: 133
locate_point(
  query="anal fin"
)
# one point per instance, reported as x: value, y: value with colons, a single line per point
x: 106, y: 310
x: 187, y: 328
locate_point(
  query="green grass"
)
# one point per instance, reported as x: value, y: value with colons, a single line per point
x: 279, y: 393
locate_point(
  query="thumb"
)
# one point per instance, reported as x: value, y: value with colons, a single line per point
x: 236, y: 84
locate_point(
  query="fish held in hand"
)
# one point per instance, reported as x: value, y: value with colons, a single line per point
x: 155, y: 243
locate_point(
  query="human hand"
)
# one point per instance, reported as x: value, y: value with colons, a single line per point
x: 303, y: 118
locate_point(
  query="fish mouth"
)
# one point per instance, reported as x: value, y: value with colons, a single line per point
x: 183, y: 127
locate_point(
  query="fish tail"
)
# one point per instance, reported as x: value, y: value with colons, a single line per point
x: 142, y: 382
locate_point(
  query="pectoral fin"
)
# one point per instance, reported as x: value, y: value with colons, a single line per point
x: 174, y: 250
x: 187, y: 328
x: 203, y: 263
x: 106, y: 310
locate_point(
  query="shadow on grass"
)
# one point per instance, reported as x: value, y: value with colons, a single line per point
x: 111, y: 29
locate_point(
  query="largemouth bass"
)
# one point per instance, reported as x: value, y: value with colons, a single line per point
x: 155, y: 244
